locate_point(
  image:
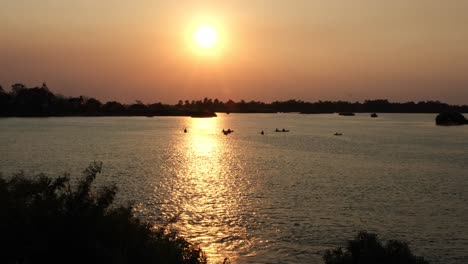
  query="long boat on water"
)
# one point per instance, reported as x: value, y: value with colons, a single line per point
x: 203, y: 115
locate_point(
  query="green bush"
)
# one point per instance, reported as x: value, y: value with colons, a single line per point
x: 45, y: 220
x: 366, y: 248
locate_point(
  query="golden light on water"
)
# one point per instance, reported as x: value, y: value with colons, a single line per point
x: 207, y: 190
x: 202, y: 137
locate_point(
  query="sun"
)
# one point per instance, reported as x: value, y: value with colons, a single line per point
x: 206, y: 37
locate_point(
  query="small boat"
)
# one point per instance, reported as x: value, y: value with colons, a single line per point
x: 185, y: 130
x: 227, y: 132
x: 374, y: 115
x: 313, y: 112
x: 203, y: 114
x: 338, y: 134
x: 282, y: 130
x: 347, y: 114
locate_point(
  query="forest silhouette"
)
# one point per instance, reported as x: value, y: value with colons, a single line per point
x: 22, y: 101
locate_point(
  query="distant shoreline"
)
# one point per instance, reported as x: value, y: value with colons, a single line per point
x: 22, y: 101
x: 218, y: 113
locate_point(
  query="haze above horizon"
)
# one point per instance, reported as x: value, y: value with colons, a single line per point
x: 254, y: 50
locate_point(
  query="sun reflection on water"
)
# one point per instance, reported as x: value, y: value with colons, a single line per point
x: 202, y: 141
x: 207, y: 193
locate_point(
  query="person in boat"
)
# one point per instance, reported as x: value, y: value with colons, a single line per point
x: 284, y: 130
x: 277, y: 130
x: 227, y: 132
x: 263, y: 133
x: 185, y: 130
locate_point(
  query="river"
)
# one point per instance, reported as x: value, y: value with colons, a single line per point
x: 273, y: 198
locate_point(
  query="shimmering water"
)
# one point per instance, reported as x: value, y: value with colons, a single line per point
x: 277, y: 198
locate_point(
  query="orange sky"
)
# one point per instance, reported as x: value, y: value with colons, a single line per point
x: 268, y: 50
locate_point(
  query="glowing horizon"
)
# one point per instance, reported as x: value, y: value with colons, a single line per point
x: 263, y: 50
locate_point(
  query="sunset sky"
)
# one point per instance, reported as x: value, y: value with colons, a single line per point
x: 265, y: 50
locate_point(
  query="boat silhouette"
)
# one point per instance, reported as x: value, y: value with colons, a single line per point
x: 227, y: 132
x: 203, y: 114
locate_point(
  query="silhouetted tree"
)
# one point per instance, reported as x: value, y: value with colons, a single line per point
x: 366, y: 248
x: 92, y: 106
x: 113, y: 108
x: 159, y: 109
x: 4, y: 102
x: 45, y: 220
x: 15, y: 88
x: 138, y: 108
x: 32, y: 102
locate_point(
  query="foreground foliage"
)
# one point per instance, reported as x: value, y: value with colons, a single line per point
x: 45, y: 220
x: 366, y: 248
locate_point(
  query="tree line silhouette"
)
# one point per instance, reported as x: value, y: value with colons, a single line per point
x: 22, y: 101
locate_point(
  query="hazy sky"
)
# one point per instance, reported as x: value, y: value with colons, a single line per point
x: 267, y: 50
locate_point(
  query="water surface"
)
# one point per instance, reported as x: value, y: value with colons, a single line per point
x: 277, y: 198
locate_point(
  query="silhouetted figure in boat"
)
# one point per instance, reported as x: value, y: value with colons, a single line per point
x: 284, y: 130
x: 185, y: 130
x: 227, y: 132
x: 277, y: 130
x: 262, y: 133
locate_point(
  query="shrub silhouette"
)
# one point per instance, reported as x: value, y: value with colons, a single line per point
x: 45, y: 220
x: 366, y: 248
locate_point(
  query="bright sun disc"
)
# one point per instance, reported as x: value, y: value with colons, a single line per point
x: 206, y: 37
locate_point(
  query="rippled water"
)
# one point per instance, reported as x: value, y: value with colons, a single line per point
x: 277, y: 198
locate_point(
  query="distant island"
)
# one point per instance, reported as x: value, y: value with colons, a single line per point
x: 22, y: 101
x: 451, y: 119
